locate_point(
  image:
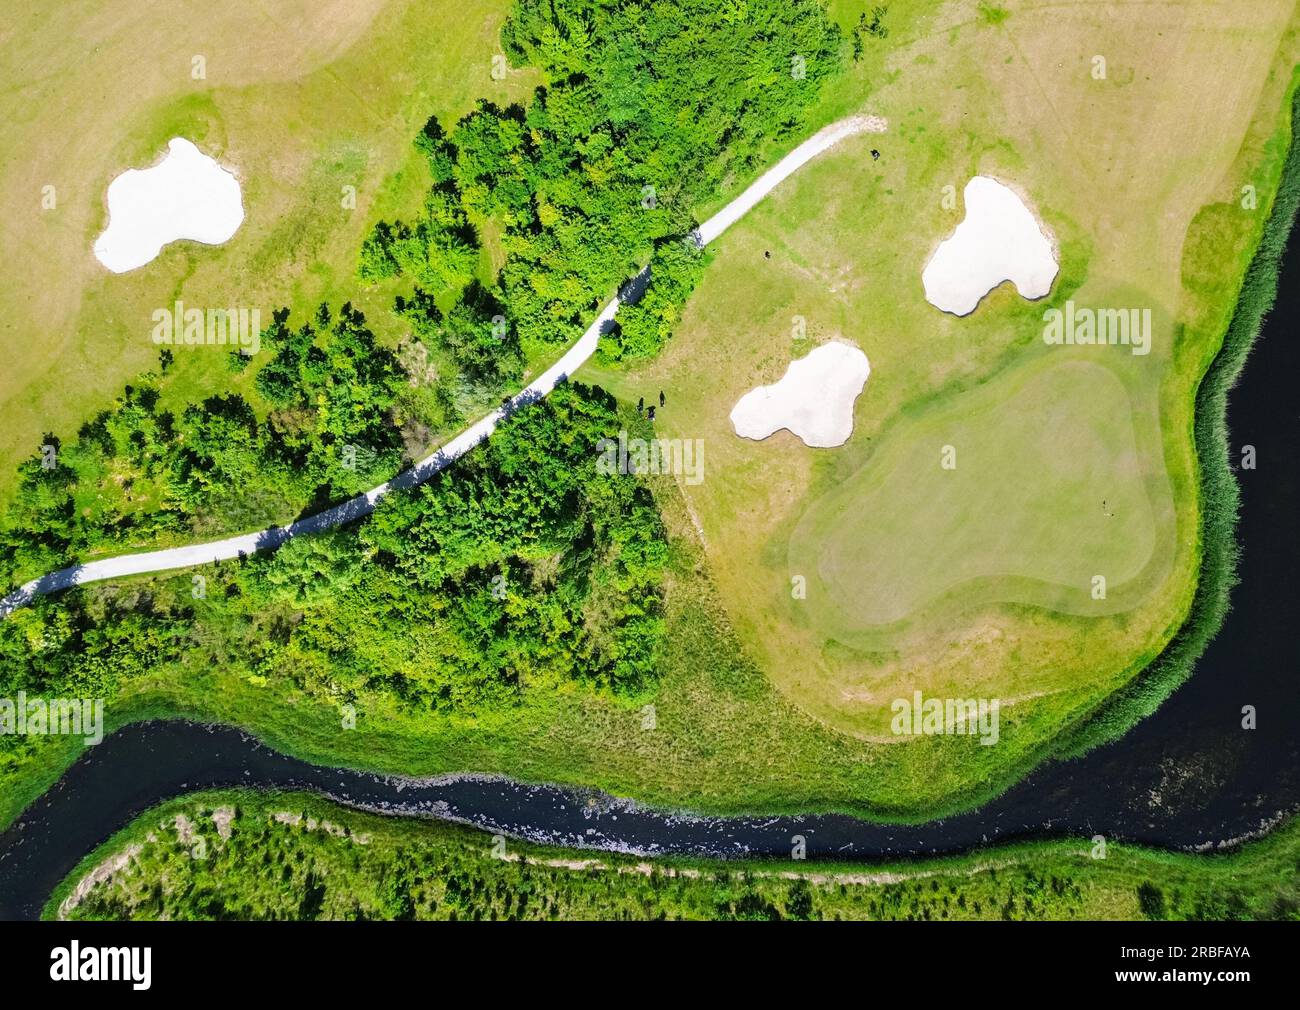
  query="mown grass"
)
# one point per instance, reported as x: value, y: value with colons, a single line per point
x: 1220, y: 493
x: 904, y: 530
x: 842, y: 245
x: 297, y: 856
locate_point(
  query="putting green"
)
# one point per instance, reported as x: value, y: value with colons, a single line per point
x: 1024, y: 490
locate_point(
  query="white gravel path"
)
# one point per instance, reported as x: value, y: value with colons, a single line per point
x: 268, y: 539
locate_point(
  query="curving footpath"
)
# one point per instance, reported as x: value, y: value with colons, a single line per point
x: 364, y: 504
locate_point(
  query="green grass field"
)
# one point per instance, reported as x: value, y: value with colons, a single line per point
x: 322, y: 97
x: 283, y: 856
x: 1046, y: 505
x: 1072, y: 461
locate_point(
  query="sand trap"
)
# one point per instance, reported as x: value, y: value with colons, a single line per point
x: 187, y: 195
x: 814, y: 399
x: 1000, y: 240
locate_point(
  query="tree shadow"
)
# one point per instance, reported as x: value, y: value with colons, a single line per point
x: 64, y: 578
x: 631, y: 292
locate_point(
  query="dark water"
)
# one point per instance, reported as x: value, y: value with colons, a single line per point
x: 1188, y: 776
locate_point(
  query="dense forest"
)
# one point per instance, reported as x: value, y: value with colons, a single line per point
x: 648, y: 111
x: 520, y: 567
x: 136, y: 472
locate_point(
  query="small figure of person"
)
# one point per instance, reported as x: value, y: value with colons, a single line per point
x: 661, y: 397
x: 875, y: 155
x: 640, y: 406
x: 652, y: 412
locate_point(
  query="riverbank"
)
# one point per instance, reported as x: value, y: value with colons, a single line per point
x: 1220, y: 492
x: 205, y: 857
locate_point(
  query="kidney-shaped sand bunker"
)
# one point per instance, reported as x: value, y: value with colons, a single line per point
x: 187, y: 195
x: 814, y: 399
x: 999, y: 240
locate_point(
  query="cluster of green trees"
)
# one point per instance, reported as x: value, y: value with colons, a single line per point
x: 137, y: 472
x: 648, y: 110
x: 875, y: 28
x: 520, y: 568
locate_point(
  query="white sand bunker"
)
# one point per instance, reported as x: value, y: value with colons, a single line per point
x: 1000, y: 240
x: 814, y: 399
x: 187, y: 195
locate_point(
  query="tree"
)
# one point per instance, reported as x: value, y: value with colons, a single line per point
x: 309, y: 570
